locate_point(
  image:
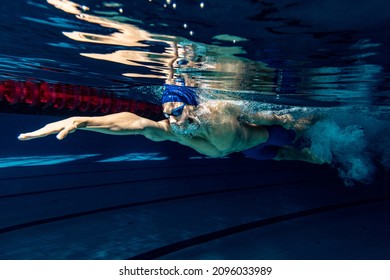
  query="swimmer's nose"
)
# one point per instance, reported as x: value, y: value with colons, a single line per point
x: 176, y: 120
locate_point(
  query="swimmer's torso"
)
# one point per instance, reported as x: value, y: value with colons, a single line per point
x: 221, y: 132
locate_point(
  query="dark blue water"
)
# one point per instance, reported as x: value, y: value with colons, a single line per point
x: 95, y: 196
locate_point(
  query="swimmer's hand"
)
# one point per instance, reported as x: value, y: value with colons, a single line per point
x: 62, y: 128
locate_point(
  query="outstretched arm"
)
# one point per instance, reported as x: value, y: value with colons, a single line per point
x: 119, y: 124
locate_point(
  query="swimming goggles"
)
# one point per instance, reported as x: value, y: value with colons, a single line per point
x: 176, y: 112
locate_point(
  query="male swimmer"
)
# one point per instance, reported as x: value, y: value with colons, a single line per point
x: 214, y: 128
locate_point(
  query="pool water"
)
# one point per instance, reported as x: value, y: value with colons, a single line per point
x: 96, y: 196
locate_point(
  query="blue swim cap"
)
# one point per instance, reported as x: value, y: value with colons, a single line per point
x: 173, y: 93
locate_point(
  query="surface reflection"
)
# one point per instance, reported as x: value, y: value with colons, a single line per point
x: 254, y: 49
x: 223, y: 65
x: 201, y: 65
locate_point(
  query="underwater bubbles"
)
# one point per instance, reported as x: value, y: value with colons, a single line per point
x: 346, y: 147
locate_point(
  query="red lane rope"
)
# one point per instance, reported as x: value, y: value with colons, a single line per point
x: 71, y: 98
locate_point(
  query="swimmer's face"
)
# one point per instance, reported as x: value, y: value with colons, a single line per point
x: 178, y: 115
x: 176, y: 112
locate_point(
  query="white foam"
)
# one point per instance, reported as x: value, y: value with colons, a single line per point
x: 353, y: 143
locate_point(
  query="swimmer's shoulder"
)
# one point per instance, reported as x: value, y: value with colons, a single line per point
x: 221, y: 104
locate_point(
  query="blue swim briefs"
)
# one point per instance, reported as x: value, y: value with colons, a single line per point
x: 277, y: 137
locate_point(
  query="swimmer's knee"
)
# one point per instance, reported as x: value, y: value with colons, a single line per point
x: 281, y: 154
x: 290, y: 153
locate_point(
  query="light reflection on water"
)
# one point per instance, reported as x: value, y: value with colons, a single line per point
x: 331, y: 66
x: 40, y: 160
x: 6, y: 162
x: 202, y: 65
x: 218, y: 66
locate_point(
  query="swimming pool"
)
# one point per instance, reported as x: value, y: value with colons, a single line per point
x: 96, y: 196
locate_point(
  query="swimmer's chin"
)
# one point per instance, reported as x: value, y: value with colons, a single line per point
x: 187, y: 130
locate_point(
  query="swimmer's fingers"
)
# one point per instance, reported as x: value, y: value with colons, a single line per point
x: 42, y: 133
x: 62, y: 128
x: 63, y: 133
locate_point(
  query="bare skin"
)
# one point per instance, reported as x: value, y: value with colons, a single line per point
x: 214, y: 128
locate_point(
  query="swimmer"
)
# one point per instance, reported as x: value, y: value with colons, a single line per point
x: 214, y: 128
